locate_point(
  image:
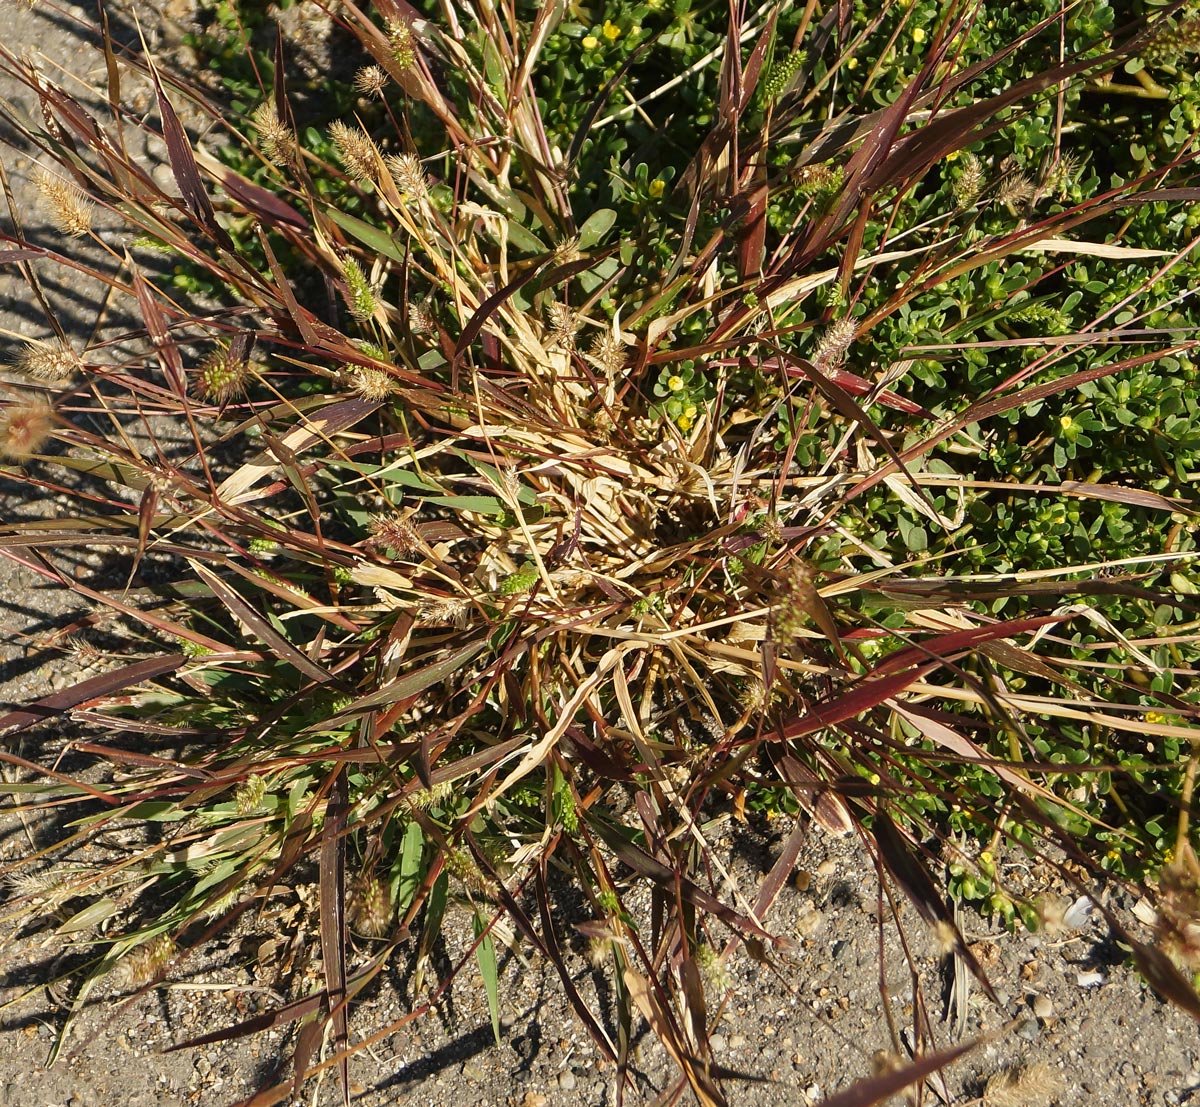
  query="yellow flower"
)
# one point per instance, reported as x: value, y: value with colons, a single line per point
x: 675, y: 383
x: 1066, y: 422
x: 590, y: 42
x: 918, y: 34
x: 852, y: 63
x: 657, y: 188
x: 611, y: 31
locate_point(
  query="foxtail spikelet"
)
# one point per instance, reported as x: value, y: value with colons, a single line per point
x: 277, y: 138
x: 833, y: 344
x: 371, y: 80
x: 69, y: 207
x: 421, y: 319
x: 357, y: 151
x: 222, y: 377
x: 142, y: 964
x: 608, y: 352
x: 54, y: 363
x: 562, y: 325
x: 360, y: 296
x: 1015, y: 188
x: 714, y: 971
x: 394, y: 532
x: 567, y: 250
x: 444, y: 612
x: 1035, y: 1085
x: 463, y: 867
x: 425, y: 798
x: 970, y: 181
x: 370, y: 906
x: 372, y: 384
x: 250, y: 793
x: 400, y: 42
x: 409, y: 176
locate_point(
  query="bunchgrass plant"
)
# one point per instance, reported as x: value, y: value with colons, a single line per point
x: 616, y: 418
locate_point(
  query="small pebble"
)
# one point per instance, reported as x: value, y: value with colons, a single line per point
x: 566, y: 1080
x: 1029, y: 1030
x: 717, y: 1041
x: 1042, y: 1007
x: 737, y: 1041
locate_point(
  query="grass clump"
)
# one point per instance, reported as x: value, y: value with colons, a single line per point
x: 801, y: 422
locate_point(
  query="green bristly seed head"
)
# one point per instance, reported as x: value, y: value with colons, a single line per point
x: 520, y: 581
x: 360, y: 297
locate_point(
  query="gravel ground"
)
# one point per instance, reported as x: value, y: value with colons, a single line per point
x: 1071, y: 1015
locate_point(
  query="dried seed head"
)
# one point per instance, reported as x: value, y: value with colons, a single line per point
x: 371, y: 80
x: 1036, y: 1085
x: 598, y: 950
x: 562, y: 324
x: 400, y: 42
x: 82, y: 652
x: 409, y: 176
x: 394, y: 532
x: 54, y: 363
x: 608, y: 352
x: 713, y: 970
x: 69, y: 207
x: 375, y: 385
x: 277, y: 138
x: 357, y: 151
x: 1015, y: 189
x: 754, y: 696
x: 360, y: 296
x: 567, y: 250
x: 970, y: 181
x: 24, y: 428
x: 833, y: 344
x: 143, y: 964
x: 370, y: 906
x: 444, y: 612
x: 946, y: 937
x: 46, y: 887
x: 421, y: 319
